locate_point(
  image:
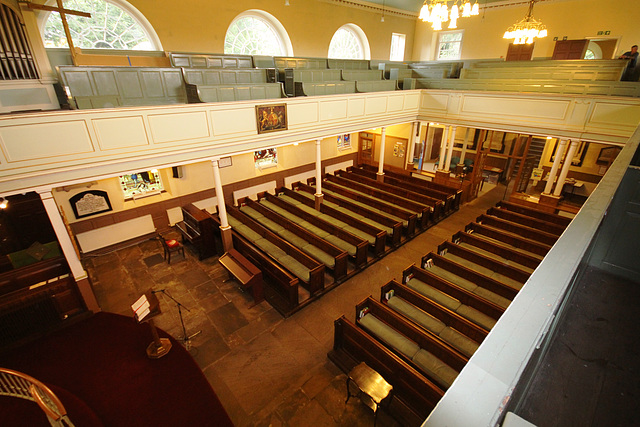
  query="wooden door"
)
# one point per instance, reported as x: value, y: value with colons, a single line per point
x: 366, y: 147
x: 570, y: 49
x: 520, y: 52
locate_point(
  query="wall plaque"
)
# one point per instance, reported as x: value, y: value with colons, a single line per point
x: 90, y: 202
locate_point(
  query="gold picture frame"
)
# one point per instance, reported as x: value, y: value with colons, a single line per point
x: 271, y: 118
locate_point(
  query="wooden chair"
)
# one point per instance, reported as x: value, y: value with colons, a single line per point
x: 170, y: 246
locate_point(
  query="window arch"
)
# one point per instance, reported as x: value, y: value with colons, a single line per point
x: 349, y: 42
x: 256, y: 32
x: 114, y: 24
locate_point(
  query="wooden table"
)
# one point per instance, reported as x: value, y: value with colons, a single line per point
x: 241, y: 269
x: 371, y: 384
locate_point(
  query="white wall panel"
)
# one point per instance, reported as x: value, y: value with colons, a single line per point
x: 515, y: 106
x: 302, y: 177
x: 304, y: 113
x: 175, y: 127
x: 120, y: 132
x: 112, y: 234
x: 356, y: 107
x: 396, y: 103
x: 333, y: 110
x: 236, y: 120
x: 252, y: 192
x: 376, y: 105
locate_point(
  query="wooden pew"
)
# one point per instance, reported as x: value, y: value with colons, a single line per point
x: 446, y: 198
x: 437, y: 206
x: 483, y: 306
x: 360, y: 257
x: 481, y: 280
x: 348, y: 64
x: 527, y: 221
x: 280, y: 286
x: 456, y: 192
x: 205, y: 60
x: 414, y: 395
x: 501, y: 251
x: 323, y: 88
x: 339, y: 256
x: 408, y: 215
x: 448, y: 317
x: 395, y: 226
x: 534, y: 213
x: 515, y: 241
x: 315, y: 282
x: 426, y: 340
x: 379, y: 236
x: 521, y: 230
x: 364, y: 86
x: 476, y: 258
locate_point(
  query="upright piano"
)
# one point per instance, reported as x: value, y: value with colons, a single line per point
x: 198, y: 228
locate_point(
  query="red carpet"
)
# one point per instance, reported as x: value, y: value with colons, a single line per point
x: 100, y: 371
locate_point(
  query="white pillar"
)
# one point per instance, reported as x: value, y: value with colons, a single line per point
x: 415, y: 132
x: 383, y: 136
x: 565, y: 168
x: 464, y: 146
x: 443, y: 147
x: 452, y: 140
x: 562, y: 145
x: 318, y: 168
x: 222, y: 209
x: 69, y: 250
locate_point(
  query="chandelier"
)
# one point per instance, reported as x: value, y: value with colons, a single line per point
x: 437, y: 12
x: 526, y: 30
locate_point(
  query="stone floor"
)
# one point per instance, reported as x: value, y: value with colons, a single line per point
x: 266, y: 370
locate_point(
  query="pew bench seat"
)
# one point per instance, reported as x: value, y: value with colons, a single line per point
x: 494, y: 256
x: 466, y: 345
x: 485, y: 270
x: 233, y: 92
x: 442, y: 373
x: 451, y: 303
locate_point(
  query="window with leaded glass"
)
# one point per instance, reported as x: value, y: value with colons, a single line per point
x: 346, y: 43
x: 449, y: 45
x: 253, y: 35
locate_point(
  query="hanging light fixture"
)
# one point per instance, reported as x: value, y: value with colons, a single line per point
x: 526, y: 30
x: 437, y: 12
x: 3, y: 203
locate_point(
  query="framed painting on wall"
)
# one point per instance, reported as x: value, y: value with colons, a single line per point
x: 271, y: 118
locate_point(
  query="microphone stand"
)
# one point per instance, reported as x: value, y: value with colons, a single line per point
x: 186, y: 339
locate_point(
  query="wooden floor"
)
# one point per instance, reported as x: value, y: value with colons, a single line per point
x: 266, y: 370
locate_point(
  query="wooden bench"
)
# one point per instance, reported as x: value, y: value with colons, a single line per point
x: 434, y: 214
x: 521, y: 230
x: 228, y: 93
x: 323, y: 88
x: 375, y: 236
x: 523, y: 243
x: 364, y: 86
x: 413, y: 212
x: 447, y: 199
x: 338, y: 236
x: 534, y: 213
x: 334, y: 258
x: 244, y: 271
x: 348, y: 64
x: 527, y: 221
x: 550, y: 72
x: 108, y: 87
x: 211, y: 77
x: 504, y: 252
x: 306, y: 268
x: 449, y: 248
x: 476, y: 309
x: 414, y: 395
x: 448, y: 318
x: 437, y: 69
x: 203, y: 60
x: 312, y: 82
x: 439, y: 361
x: 392, y: 227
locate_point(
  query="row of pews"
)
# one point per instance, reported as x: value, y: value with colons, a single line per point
x: 303, y: 252
x: 423, y: 329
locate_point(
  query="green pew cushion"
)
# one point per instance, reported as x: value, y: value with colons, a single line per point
x: 361, y: 234
x: 270, y: 248
x: 320, y: 255
x: 251, y: 212
x: 453, y: 278
x: 389, y: 335
x: 442, y: 373
x: 295, y: 267
x: 290, y: 200
x: 332, y: 220
x: 313, y: 229
x: 247, y: 232
x: 466, y: 345
x: 292, y: 238
x: 309, y: 210
x: 336, y: 241
x: 476, y: 316
x: 493, y: 297
x: 417, y: 315
x: 271, y: 225
x: 434, y: 294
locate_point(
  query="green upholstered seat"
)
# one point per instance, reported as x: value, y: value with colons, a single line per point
x: 251, y: 212
x: 419, y: 316
x: 313, y: 229
x: 466, y: 345
x: 309, y: 210
x: 292, y: 238
x: 295, y: 267
x: 453, y: 278
x: 332, y: 220
x: 492, y: 296
x: 336, y: 241
x: 442, y: 373
x: 270, y: 248
x: 319, y: 255
x: 434, y: 294
x: 270, y: 224
x: 247, y: 232
x: 290, y: 200
x: 389, y: 335
x: 476, y: 316
x: 361, y: 234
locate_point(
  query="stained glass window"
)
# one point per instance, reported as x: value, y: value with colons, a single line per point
x: 140, y: 184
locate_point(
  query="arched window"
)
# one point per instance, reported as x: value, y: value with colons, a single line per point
x: 349, y: 42
x: 256, y: 32
x: 114, y: 24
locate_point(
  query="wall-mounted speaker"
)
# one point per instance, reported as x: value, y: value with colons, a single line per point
x: 177, y: 171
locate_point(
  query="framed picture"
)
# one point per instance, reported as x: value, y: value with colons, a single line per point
x: 90, y: 202
x: 271, y: 118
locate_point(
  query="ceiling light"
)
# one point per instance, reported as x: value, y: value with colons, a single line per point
x: 437, y: 12
x: 527, y: 30
x: 3, y: 203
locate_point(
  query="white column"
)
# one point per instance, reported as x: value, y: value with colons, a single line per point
x: 318, y: 168
x: 383, y: 136
x: 69, y: 250
x: 415, y: 132
x: 222, y: 210
x: 452, y: 140
x: 562, y: 145
x: 565, y: 168
x: 464, y: 146
x: 443, y: 147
